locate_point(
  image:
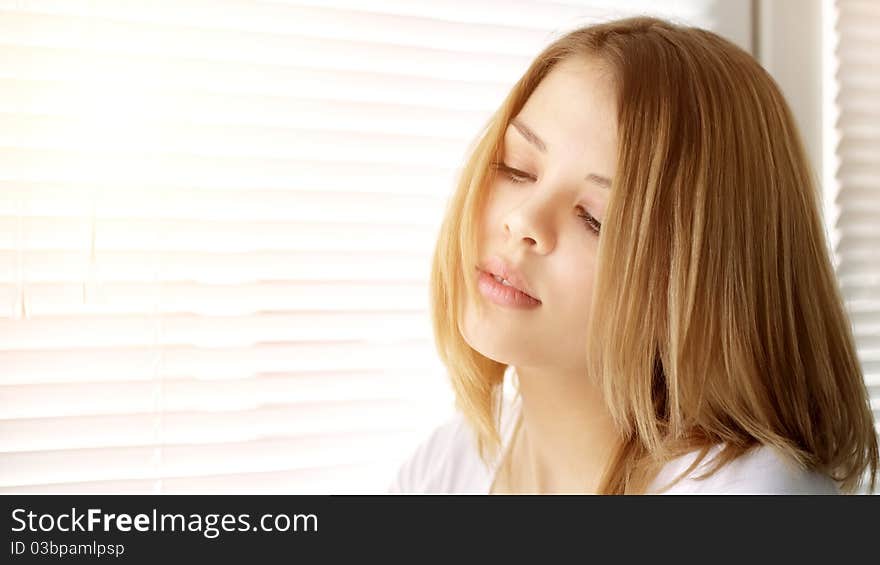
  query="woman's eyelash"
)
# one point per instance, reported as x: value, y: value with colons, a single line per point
x: 516, y: 176
x: 591, y: 222
x: 512, y: 174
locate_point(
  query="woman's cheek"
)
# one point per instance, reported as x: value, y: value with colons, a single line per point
x: 584, y: 283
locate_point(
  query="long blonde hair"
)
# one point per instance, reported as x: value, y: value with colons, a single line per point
x: 720, y: 319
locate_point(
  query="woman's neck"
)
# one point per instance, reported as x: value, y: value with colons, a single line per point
x: 566, y: 437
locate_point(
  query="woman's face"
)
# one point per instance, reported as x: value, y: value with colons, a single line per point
x: 561, y: 146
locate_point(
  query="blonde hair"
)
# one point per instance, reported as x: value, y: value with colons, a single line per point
x: 720, y: 318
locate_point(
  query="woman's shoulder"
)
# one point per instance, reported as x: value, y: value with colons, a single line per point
x: 761, y: 470
x: 447, y: 460
x: 437, y: 461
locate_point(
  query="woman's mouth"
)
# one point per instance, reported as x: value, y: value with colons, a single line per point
x: 500, y: 292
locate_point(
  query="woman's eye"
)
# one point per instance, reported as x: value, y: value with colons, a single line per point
x: 513, y: 175
x: 591, y: 222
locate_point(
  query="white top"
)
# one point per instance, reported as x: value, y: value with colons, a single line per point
x: 447, y: 462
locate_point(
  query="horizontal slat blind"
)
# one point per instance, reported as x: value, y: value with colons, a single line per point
x: 855, y: 214
x: 216, y: 224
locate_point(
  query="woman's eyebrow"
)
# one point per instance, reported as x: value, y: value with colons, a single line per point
x: 604, y: 182
x: 533, y: 138
x: 530, y: 136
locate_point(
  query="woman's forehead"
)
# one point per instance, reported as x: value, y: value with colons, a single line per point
x: 571, y: 102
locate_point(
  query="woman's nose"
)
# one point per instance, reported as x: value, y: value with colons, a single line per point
x: 531, y: 224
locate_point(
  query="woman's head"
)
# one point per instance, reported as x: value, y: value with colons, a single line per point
x: 542, y: 217
x: 707, y: 310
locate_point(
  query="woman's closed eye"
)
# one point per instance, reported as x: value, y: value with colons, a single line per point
x: 517, y: 176
x: 513, y: 175
x: 591, y: 222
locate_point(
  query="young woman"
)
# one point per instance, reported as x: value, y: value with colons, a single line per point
x: 635, y: 242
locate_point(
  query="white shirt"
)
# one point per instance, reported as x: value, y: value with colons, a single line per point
x: 448, y: 462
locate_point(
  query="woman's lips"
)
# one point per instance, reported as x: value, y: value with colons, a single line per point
x: 504, y: 295
x: 496, y: 265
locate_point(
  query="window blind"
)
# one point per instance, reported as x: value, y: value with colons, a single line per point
x: 854, y: 210
x: 216, y: 225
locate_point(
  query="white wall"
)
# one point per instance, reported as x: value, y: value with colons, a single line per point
x: 789, y: 45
